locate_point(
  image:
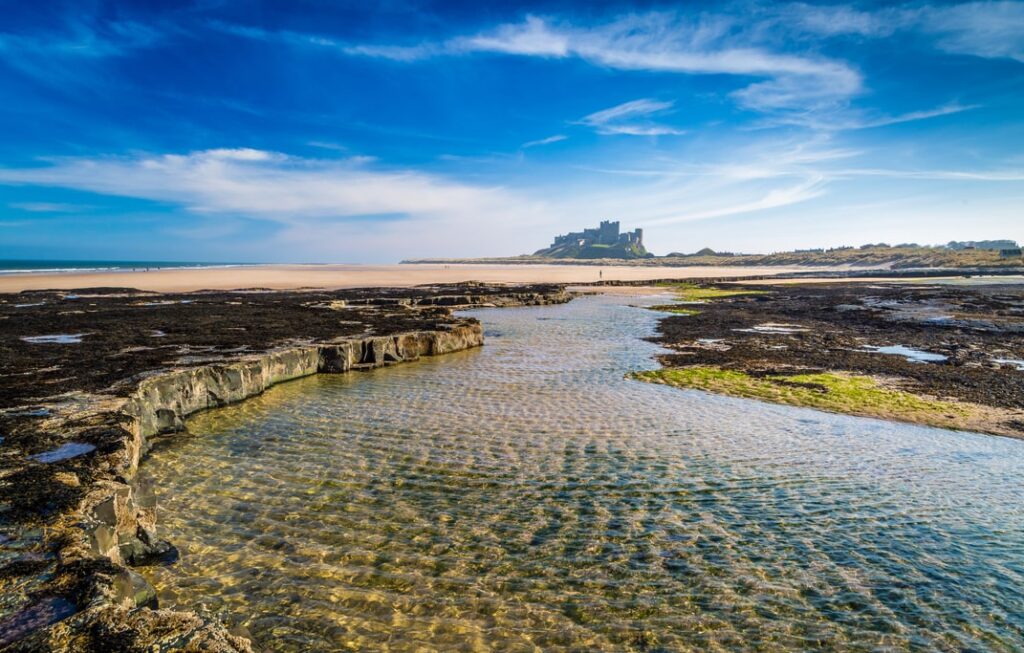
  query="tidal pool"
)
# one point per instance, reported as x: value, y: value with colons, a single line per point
x: 526, y: 496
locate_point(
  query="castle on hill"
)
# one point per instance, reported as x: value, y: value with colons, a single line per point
x: 607, y: 233
x: 604, y: 241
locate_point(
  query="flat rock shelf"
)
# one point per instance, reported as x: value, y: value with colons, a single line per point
x: 91, y: 379
x: 530, y: 495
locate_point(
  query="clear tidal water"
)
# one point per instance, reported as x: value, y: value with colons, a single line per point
x: 526, y: 496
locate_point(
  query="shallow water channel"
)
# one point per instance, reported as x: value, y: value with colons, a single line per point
x: 527, y: 496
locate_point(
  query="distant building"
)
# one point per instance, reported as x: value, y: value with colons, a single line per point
x: 603, y: 241
x: 1010, y: 252
x: 607, y: 233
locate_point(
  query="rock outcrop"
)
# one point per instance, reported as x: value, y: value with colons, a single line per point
x: 96, y: 521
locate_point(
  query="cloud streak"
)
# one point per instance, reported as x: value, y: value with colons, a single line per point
x: 992, y: 30
x: 983, y: 29
x: 557, y: 138
x: 271, y: 185
x: 668, y: 42
x: 399, y: 53
x: 623, y: 119
x: 850, y: 120
x: 658, y: 41
x: 49, y: 207
x: 796, y: 87
x: 72, y: 54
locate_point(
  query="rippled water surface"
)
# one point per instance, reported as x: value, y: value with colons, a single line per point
x: 526, y: 496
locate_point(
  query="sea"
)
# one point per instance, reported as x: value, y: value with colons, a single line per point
x: 54, y: 266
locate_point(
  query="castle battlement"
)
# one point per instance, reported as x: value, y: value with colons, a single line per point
x: 606, y: 233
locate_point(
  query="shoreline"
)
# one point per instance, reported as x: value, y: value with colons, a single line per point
x: 75, y: 511
x: 941, y: 355
x: 336, y: 276
x: 81, y: 522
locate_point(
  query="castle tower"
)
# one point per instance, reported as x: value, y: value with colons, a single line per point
x: 608, y: 232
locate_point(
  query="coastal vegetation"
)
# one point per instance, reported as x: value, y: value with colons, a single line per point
x: 691, y: 292
x: 835, y: 392
x: 674, y: 308
x: 941, y: 354
x: 874, y: 256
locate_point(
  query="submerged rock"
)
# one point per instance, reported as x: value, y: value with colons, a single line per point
x: 92, y: 413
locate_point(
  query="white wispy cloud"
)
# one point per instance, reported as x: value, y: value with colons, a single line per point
x: 327, y: 145
x: 49, y: 207
x: 271, y: 185
x: 531, y: 37
x: 400, y: 53
x: 623, y: 119
x: 314, y: 201
x: 670, y: 42
x: 699, y: 185
x: 321, y: 205
x: 849, y: 119
x: 630, y: 109
x: 758, y: 176
x: 352, y: 205
x: 739, y: 40
x: 999, y: 175
x: 641, y: 130
x: 84, y: 40
x: 983, y: 29
x: 656, y: 41
x: 71, y: 54
x: 836, y: 19
x: 544, y: 141
x: 912, y: 116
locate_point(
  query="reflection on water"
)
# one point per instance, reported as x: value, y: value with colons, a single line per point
x: 526, y: 496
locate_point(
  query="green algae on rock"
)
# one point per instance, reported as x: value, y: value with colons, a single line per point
x: 673, y: 308
x: 72, y: 526
x: 527, y: 496
x: 775, y: 340
x: 830, y: 391
x: 692, y: 292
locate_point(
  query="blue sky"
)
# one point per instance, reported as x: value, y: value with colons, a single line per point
x: 365, y: 132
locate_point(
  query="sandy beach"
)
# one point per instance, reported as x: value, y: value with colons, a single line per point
x: 288, y: 277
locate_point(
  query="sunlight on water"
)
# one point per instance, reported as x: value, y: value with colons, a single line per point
x: 526, y: 496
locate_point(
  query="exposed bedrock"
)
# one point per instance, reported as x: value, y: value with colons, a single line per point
x: 76, y: 527
x: 116, y: 522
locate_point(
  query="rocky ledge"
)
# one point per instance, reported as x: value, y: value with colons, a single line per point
x: 947, y: 354
x: 89, y: 378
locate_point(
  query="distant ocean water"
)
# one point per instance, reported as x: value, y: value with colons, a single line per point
x: 14, y: 266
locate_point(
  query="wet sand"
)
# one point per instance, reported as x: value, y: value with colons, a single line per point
x: 290, y: 277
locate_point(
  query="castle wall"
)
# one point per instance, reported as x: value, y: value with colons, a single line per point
x: 606, y: 233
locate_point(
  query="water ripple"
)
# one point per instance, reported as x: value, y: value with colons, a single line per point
x: 527, y: 497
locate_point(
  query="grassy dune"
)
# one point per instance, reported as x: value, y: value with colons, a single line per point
x: 894, y: 257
